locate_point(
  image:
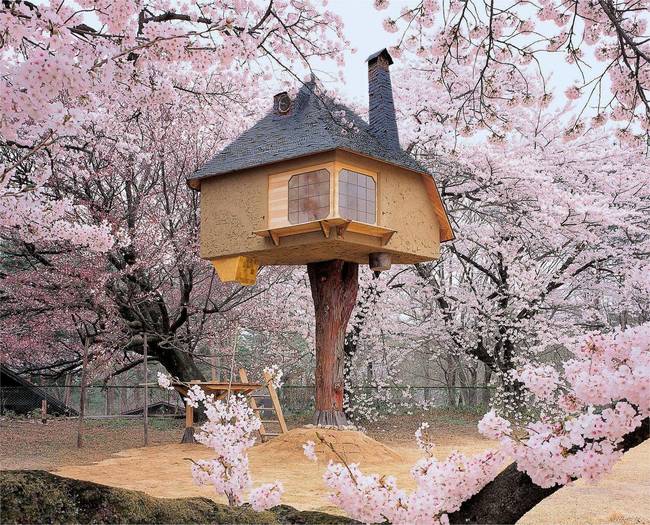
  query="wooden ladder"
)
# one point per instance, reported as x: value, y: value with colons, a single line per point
x: 264, y: 411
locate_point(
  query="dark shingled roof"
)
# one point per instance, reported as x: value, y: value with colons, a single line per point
x: 313, y: 125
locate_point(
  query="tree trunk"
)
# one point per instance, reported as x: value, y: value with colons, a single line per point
x: 487, y: 375
x: 178, y: 363
x: 334, y: 286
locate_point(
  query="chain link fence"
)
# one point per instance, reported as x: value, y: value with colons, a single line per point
x: 101, y: 401
x: 127, y: 401
x: 299, y: 399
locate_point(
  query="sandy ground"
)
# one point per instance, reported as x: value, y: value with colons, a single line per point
x: 622, y: 497
x: 164, y: 471
x: 163, y: 468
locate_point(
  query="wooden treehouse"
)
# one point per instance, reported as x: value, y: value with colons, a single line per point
x: 313, y: 184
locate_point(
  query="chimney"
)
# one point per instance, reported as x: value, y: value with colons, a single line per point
x: 383, y: 124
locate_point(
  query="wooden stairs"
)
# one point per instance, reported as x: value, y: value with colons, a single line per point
x: 266, y: 403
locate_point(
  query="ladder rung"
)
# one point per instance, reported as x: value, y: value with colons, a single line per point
x: 259, y: 409
x: 265, y: 421
x: 261, y: 396
x: 271, y: 434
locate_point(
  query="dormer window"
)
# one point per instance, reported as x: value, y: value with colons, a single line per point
x: 309, y: 196
x: 357, y: 197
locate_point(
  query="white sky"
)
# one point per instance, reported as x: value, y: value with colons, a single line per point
x: 364, y: 29
x: 363, y: 26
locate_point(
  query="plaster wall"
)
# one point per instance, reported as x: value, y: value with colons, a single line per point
x: 235, y: 205
x: 403, y: 204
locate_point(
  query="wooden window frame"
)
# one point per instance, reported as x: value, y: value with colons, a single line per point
x: 320, y: 189
x: 339, y: 207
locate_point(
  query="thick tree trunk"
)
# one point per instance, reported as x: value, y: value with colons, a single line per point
x: 334, y: 286
x: 512, y: 493
x: 182, y: 366
x: 179, y: 364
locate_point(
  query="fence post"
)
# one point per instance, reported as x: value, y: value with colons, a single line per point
x: 109, y: 397
x: 44, y: 411
x: 82, y: 394
x: 213, y: 366
x: 67, y: 392
x: 146, y: 391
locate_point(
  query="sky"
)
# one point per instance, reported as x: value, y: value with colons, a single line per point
x: 363, y: 27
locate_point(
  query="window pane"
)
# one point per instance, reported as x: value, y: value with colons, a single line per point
x: 309, y: 196
x: 357, y: 196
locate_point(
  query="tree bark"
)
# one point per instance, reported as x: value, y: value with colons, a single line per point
x: 334, y: 287
x: 180, y: 364
x: 512, y: 493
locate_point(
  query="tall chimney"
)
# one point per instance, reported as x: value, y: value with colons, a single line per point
x: 383, y: 124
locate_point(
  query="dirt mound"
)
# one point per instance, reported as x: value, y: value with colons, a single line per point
x: 352, y: 445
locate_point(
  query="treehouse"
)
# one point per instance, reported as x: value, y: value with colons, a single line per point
x: 312, y: 182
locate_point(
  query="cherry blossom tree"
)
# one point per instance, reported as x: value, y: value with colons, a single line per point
x: 483, y: 55
x: 151, y: 281
x: 108, y: 107
x: 70, y: 70
x: 230, y: 431
x: 594, y: 408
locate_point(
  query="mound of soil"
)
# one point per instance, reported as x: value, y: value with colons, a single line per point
x: 36, y: 496
x: 353, y: 446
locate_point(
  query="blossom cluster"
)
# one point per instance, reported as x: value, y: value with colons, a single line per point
x: 309, y: 449
x: 164, y: 381
x: 230, y: 432
x: 423, y: 442
x: 542, y: 380
x: 604, y: 393
x: 266, y: 496
x: 615, y: 35
x: 275, y: 374
x: 441, y: 488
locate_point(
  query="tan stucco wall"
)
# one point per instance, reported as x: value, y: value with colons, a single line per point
x: 403, y: 205
x: 232, y: 207
x: 235, y: 205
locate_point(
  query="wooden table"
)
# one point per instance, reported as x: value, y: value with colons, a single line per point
x: 218, y: 389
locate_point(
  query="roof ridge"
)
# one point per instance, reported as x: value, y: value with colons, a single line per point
x: 310, y: 127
